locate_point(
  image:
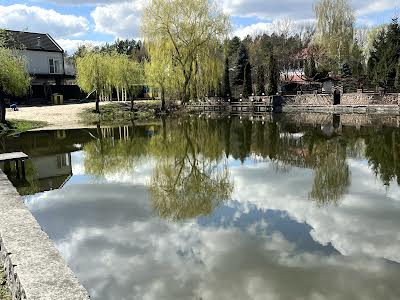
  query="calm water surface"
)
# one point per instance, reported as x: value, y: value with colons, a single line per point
x: 203, y: 208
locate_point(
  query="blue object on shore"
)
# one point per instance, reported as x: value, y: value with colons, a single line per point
x: 14, y: 107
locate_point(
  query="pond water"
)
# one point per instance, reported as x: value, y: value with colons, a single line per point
x: 224, y: 208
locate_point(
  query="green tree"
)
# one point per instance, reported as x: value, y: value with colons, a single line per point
x: 385, y: 55
x: 346, y: 71
x: 397, y: 80
x: 335, y: 29
x: 357, y: 61
x: 92, y: 74
x: 273, y: 75
x: 14, y: 77
x: 160, y: 71
x: 240, y: 64
x: 196, y: 30
x: 247, y: 84
x: 260, y: 83
x: 226, y: 84
x: 310, y: 68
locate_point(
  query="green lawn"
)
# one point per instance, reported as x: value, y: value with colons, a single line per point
x: 120, y: 112
x: 19, y: 126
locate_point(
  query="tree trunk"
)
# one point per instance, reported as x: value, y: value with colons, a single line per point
x: 97, y: 103
x: 2, y: 111
x: 163, y: 108
x: 186, y: 94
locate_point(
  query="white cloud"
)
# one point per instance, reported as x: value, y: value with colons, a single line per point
x: 294, y: 9
x: 279, y: 26
x: 71, y: 45
x: 37, y: 19
x: 120, y: 20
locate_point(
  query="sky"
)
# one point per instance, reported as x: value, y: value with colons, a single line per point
x: 75, y: 22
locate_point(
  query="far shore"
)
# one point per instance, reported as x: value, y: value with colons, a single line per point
x: 58, y: 117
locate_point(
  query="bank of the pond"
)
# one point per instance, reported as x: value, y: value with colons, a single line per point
x: 120, y: 112
x: 19, y: 126
x: 33, y: 266
x: 74, y: 116
x: 4, y: 290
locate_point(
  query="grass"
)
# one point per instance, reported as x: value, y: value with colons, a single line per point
x: 4, y: 291
x: 120, y: 112
x: 18, y: 126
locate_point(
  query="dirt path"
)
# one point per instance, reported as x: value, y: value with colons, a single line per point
x: 57, y: 116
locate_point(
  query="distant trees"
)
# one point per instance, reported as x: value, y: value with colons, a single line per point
x: 272, y: 75
x: 132, y: 48
x: 335, y: 29
x: 247, y: 83
x: 226, y: 83
x: 195, y: 31
x: 310, y: 68
x: 14, y: 77
x: 102, y: 73
x: 385, y: 55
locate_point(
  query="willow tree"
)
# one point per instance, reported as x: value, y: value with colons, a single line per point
x: 93, y: 74
x: 14, y: 77
x: 127, y: 76
x: 159, y: 70
x: 335, y: 29
x: 196, y: 30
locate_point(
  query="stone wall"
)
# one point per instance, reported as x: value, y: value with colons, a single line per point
x: 369, y: 99
x: 35, y: 270
x: 352, y: 99
x: 310, y: 100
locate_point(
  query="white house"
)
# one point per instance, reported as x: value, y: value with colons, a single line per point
x: 45, y: 62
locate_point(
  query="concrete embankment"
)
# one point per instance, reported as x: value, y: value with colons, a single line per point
x: 35, y: 269
x: 387, y: 109
x: 346, y: 103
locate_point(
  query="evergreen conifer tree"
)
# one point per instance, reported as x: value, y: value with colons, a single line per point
x: 273, y: 75
x: 226, y: 85
x: 384, y: 58
x: 397, y: 80
x: 346, y: 71
x: 307, y: 72
x: 242, y: 61
x: 260, y: 80
x: 313, y: 67
x: 247, y: 84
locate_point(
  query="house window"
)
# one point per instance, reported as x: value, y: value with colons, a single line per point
x: 62, y: 161
x: 55, y: 66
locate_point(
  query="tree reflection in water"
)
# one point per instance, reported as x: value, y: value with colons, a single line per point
x: 191, y: 175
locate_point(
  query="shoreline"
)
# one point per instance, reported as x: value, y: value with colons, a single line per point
x: 32, y: 264
x: 78, y: 116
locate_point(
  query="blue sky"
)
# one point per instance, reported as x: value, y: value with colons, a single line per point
x: 74, y: 22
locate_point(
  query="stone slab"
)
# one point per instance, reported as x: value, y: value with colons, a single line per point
x: 13, y: 156
x: 34, y: 267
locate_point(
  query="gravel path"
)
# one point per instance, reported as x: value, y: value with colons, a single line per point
x: 57, y: 116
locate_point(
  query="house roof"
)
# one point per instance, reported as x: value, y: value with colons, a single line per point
x: 32, y: 41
